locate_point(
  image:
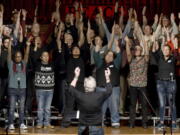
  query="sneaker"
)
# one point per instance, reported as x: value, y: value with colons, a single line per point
x: 49, y: 126
x: 160, y: 126
x: 115, y: 125
x: 11, y: 127
x: 65, y: 124
x: 174, y: 126
x: 39, y: 126
x: 23, y: 127
x: 131, y: 125
x: 144, y: 125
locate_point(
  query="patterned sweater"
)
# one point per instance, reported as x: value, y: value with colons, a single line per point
x: 44, y: 76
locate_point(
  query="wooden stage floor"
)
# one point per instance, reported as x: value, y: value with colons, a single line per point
x: 73, y: 131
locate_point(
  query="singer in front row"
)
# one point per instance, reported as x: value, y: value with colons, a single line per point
x: 166, y: 83
x: 17, y: 83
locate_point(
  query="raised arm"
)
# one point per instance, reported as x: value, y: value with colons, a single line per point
x: 0, y: 45
x: 121, y: 18
x: 128, y: 25
x: 108, y: 34
x: 145, y: 22
x: 107, y: 75
x: 56, y: 14
x: 117, y: 61
x: 155, y: 47
x: 110, y: 42
x: 89, y: 34
x: 26, y: 55
x: 179, y: 20
x: 16, y: 30
x: 174, y: 25
x: 9, y: 58
x: 23, y: 22
x: 21, y: 34
x: 1, y: 25
x: 137, y: 28
x: 159, y: 27
x: 35, y: 14
x: 81, y: 34
x: 154, y: 55
x: 97, y: 58
x: 128, y: 50
x: 58, y: 39
x: 77, y: 73
x: 35, y: 45
x: 155, y: 24
x: 138, y: 31
x: 77, y: 13
x: 100, y: 24
x: 1, y: 15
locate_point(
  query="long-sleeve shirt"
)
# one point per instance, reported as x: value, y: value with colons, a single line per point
x: 108, y: 36
x: 166, y: 68
x: 90, y: 105
x: 101, y: 65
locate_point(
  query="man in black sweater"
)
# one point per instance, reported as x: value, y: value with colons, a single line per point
x: 90, y: 103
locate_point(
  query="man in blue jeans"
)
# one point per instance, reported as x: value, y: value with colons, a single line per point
x: 90, y: 103
x: 166, y: 83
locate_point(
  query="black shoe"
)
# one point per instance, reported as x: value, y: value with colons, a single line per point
x: 131, y: 125
x: 144, y: 125
x: 65, y: 124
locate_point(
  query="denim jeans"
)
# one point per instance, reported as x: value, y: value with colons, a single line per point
x: 44, y: 99
x: 112, y: 102
x: 93, y: 130
x: 134, y: 93
x: 16, y: 95
x: 166, y: 91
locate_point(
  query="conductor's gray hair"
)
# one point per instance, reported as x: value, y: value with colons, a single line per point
x: 89, y: 84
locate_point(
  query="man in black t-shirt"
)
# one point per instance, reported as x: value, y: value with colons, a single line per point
x: 90, y: 103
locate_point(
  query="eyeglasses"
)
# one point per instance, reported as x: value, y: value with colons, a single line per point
x: 18, y: 56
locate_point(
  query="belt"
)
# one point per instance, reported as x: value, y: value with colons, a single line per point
x: 105, y: 86
x: 166, y: 79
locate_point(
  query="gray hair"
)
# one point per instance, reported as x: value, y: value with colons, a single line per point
x: 89, y: 84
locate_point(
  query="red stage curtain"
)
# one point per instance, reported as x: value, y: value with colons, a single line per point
x: 47, y: 6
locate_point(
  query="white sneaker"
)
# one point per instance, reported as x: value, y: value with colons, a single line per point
x: 11, y: 127
x: 115, y: 125
x: 23, y: 127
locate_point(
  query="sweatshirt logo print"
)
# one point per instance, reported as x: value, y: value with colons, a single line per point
x: 45, y: 77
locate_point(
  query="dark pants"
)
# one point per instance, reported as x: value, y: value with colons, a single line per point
x: 30, y: 93
x: 136, y: 92
x: 93, y: 130
x: 15, y: 95
x: 69, y: 111
x: 60, y: 89
x: 3, y: 89
x: 70, y: 106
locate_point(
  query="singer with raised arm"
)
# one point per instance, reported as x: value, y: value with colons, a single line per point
x: 166, y: 82
x: 90, y: 103
x: 17, y: 83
